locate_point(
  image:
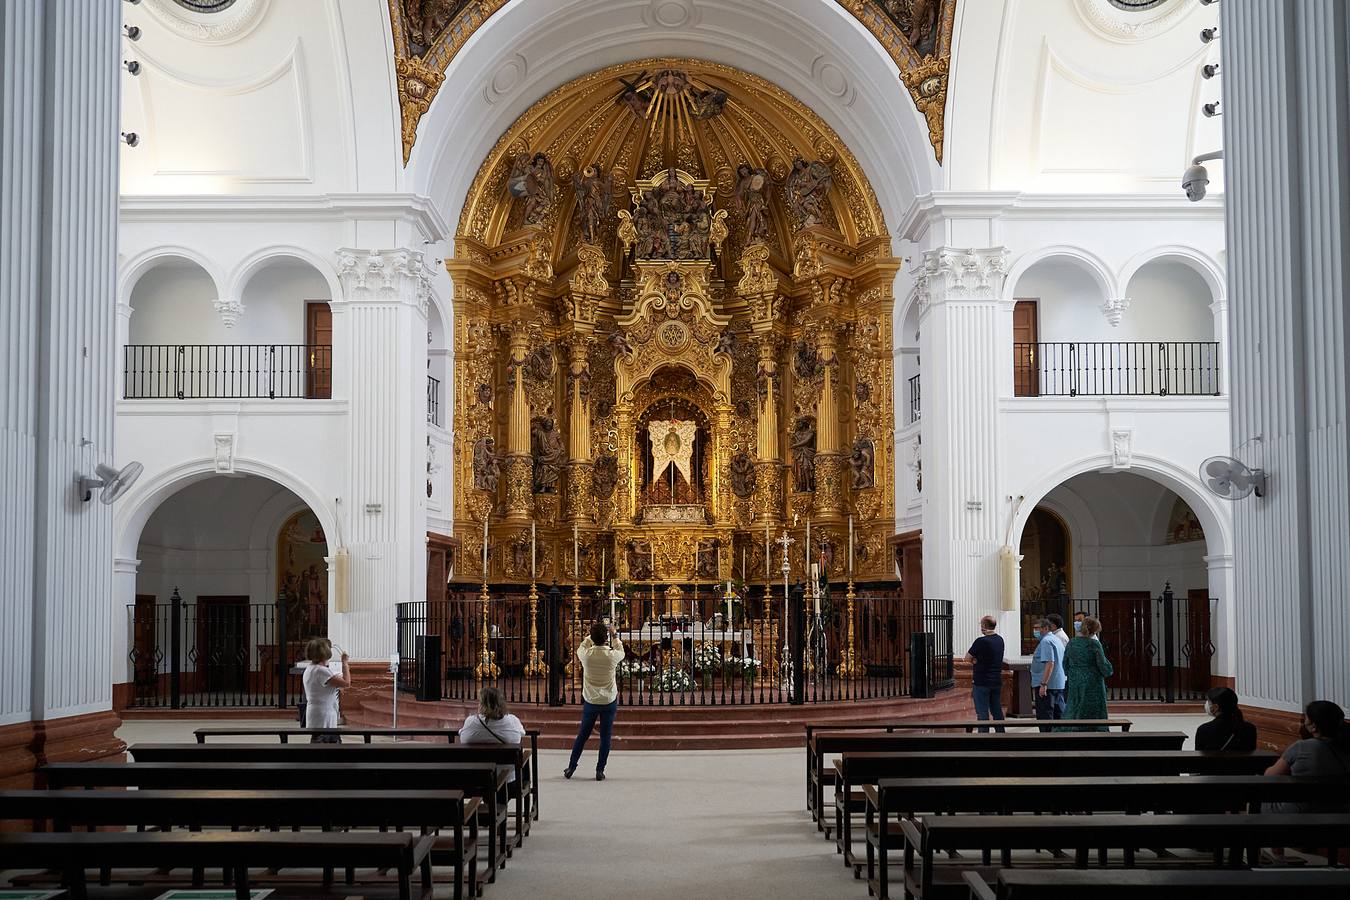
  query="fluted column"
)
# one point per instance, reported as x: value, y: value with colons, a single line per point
x: 965, y: 342
x: 381, y: 335
x: 1220, y: 310
x: 1286, y: 104
x: 518, y: 466
x: 579, y: 428
x: 829, y: 497
x: 768, y: 497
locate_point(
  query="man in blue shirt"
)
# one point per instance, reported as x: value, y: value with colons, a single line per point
x: 987, y: 675
x: 1047, y: 671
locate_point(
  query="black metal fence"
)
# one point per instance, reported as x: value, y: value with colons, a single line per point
x: 227, y: 371
x: 215, y: 652
x: 1120, y: 368
x: 1160, y: 647
x: 680, y: 653
x: 915, y: 407
x: 433, y: 400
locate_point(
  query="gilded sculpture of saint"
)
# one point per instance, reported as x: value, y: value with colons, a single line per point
x: 803, y: 443
x: 532, y: 181
x: 862, y: 464
x: 595, y: 195
x: 751, y: 202
x: 807, y: 187
x: 742, y: 475
x: 487, y: 466
x: 546, y: 445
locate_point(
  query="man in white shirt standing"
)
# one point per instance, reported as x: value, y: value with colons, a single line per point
x: 600, y: 655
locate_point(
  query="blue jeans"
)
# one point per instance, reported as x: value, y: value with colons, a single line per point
x: 1051, y: 706
x: 988, y: 699
x: 589, y: 713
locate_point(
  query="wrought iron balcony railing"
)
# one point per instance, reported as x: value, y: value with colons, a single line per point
x: 1116, y: 369
x: 227, y: 371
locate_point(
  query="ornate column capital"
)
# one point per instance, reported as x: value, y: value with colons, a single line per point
x: 384, y: 276
x: 948, y: 274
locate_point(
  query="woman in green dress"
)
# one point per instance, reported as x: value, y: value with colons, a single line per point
x: 1086, y: 668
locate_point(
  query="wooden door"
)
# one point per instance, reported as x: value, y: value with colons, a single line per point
x: 318, y: 350
x: 1026, y: 358
x: 145, y: 673
x: 223, y: 647
x: 1197, y: 650
x: 1127, y: 638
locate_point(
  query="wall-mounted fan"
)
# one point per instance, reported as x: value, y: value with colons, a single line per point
x: 1231, y: 479
x: 113, y: 481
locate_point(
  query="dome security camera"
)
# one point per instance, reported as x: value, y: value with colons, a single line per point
x: 132, y: 66
x: 1209, y: 34
x: 131, y: 138
x: 133, y: 32
x: 1194, y: 181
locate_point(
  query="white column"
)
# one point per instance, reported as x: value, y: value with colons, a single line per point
x: 1286, y: 104
x: 1222, y: 627
x: 124, y: 597
x: 1220, y: 310
x: 58, y: 241
x: 965, y: 337
x: 381, y: 334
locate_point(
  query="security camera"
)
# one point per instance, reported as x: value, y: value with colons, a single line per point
x: 134, y: 2
x: 1210, y: 70
x: 133, y: 32
x: 1194, y: 182
x: 1209, y: 34
x: 132, y: 66
x: 1211, y: 109
x: 1208, y: 2
x: 131, y: 138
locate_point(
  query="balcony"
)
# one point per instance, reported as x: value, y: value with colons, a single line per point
x: 433, y: 401
x: 1116, y: 369
x: 915, y: 408
x: 227, y: 371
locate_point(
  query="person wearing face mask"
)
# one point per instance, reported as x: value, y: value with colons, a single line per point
x: 1323, y: 751
x: 1047, y: 673
x: 1086, y: 669
x: 1226, y: 729
x: 1057, y: 629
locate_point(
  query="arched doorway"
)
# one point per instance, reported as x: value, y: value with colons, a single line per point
x: 232, y: 582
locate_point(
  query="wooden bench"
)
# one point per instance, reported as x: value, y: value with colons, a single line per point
x: 425, y: 810
x: 815, y: 771
x: 892, y: 798
x: 1130, y: 884
x: 853, y: 770
x: 509, y: 755
x: 928, y: 836
x: 824, y: 742
x: 483, y: 781
x: 237, y: 851
x: 451, y: 735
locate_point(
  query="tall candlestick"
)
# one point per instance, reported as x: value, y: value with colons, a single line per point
x: 485, y: 549
x: 815, y: 586
x: 807, y: 549
x: 576, y: 565
x: 850, y: 546
x: 602, y: 566
x: 531, y: 550
x: 718, y: 554
x: 742, y: 565
x: 766, y: 552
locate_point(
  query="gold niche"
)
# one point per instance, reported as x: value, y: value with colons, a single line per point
x: 721, y: 286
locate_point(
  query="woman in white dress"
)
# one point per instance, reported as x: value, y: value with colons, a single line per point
x: 321, y: 689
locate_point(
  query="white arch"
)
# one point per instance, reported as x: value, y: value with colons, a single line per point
x: 1202, y: 264
x: 1080, y: 256
x: 134, y: 268
x: 147, y: 496
x: 260, y: 259
x: 1213, y: 519
x: 818, y: 52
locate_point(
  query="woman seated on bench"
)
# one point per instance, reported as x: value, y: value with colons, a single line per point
x: 1323, y: 751
x: 493, y: 724
x: 1227, y: 730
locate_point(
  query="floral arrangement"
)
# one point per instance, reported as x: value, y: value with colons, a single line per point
x: 707, y: 657
x: 673, y: 681
x: 747, y: 666
x: 635, y: 668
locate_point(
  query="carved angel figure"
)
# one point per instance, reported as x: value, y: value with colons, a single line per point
x: 427, y: 18
x: 751, y: 202
x: 540, y: 364
x: 546, y: 445
x: 919, y: 19
x: 618, y: 342
x: 807, y: 185
x: 487, y: 466
x: 604, y: 476
x: 742, y: 475
x: 726, y: 342
x: 709, y: 103
x: 532, y: 181
x: 862, y: 464
x: 595, y: 195
x: 806, y: 362
x: 803, y: 443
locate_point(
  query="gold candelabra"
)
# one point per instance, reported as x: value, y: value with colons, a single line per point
x: 535, y: 664
x: 487, y: 666
x: 574, y: 626
x: 849, y: 665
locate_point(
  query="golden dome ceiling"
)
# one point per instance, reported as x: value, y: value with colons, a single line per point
x: 587, y: 123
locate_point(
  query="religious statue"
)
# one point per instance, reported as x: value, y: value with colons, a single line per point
x: 726, y: 342
x: 604, y: 476
x: 862, y: 464
x: 639, y: 555
x: 742, y: 475
x: 426, y: 19
x: 803, y: 443
x: 806, y: 363
x: 751, y: 202
x: 672, y: 221
x: 487, y: 466
x: 637, y: 99
x: 618, y: 342
x: 708, y: 104
x: 546, y: 445
x: 862, y: 391
x: 595, y: 195
x: 483, y: 394
x: 807, y: 186
x: 918, y: 19
x: 540, y: 364
x: 532, y: 181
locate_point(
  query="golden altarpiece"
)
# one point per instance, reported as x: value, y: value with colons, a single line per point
x: 672, y: 340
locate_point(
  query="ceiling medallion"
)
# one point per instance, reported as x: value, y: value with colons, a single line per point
x: 209, y: 21
x: 1131, y: 20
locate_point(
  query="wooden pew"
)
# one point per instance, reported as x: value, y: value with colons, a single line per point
x: 1130, y: 884
x: 853, y: 770
x: 484, y: 781
x: 509, y: 755
x: 451, y: 735
x: 824, y: 742
x: 892, y: 798
x: 194, y: 809
x: 928, y: 836
x: 813, y: 770
x: 237, y: 851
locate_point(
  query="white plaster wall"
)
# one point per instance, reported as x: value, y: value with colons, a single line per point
x: 1168, y: 302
